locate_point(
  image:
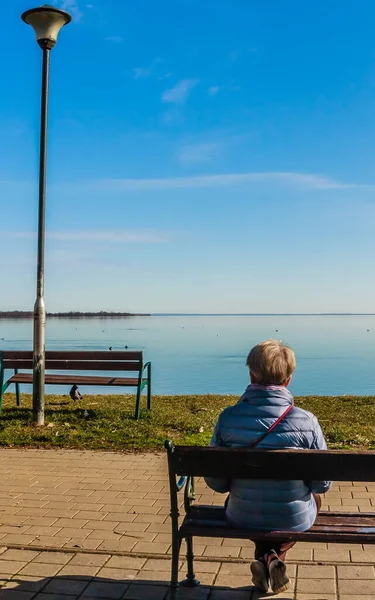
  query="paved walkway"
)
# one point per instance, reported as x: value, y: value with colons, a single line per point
x: 29, y: 575
x: 104, y: 518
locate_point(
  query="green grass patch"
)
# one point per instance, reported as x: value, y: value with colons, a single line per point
x: 347, y: 421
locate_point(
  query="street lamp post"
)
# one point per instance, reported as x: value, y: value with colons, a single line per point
x: 46, y: 21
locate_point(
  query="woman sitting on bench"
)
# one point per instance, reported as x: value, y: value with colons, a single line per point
x: 265, y: 417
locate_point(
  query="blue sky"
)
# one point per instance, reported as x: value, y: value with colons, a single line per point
x: 203, y: 156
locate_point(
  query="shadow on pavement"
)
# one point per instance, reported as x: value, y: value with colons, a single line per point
x: 76, y: 587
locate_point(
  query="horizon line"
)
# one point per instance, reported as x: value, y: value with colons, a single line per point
x: 323, y: 314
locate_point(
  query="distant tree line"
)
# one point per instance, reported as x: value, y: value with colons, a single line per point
x: 73, y: 314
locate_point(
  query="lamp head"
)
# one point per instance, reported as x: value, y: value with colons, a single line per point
x: 46, y: 21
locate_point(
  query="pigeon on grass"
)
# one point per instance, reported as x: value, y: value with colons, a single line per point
x: 75, y: 393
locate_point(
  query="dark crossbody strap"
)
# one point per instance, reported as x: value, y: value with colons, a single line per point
x: 275, y: 424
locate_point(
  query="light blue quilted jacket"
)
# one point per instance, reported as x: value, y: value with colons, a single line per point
x: 269, y: 504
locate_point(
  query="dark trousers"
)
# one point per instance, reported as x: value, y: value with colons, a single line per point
x: 264, y: 547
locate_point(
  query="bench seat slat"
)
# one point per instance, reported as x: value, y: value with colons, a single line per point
x: 340, y: 527
x: 217, y: 513
x: 71, y: 379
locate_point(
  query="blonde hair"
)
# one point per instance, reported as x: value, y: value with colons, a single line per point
x: 271, y: 362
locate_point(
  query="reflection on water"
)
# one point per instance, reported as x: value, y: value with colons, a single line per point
x: 207, y: 354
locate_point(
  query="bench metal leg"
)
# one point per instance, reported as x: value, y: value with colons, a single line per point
x: 18, y: 395
x: 1, y: 387
x: 176, y: 545
x: 190, y: 580
x: 138, y: 403
x: 149, y: 387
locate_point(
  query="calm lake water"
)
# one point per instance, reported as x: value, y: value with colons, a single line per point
x: 206, y: 354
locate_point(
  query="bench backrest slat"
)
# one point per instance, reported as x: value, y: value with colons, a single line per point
x: 87, y: 360
x: 242, y: 463
x: 75, y: 365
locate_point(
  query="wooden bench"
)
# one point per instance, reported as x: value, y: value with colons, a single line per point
x: 186, y: 463
x: 20, y: 361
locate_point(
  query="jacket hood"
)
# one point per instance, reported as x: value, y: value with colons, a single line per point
x: 275, y: 395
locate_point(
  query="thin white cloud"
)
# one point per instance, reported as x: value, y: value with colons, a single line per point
x: 116, y: 39
x: 214, y: 89
x: 304, y: 180
x: 71, y: 6
x: 116, y: 236
x: 145, y: 72
x: 180, y: 92
x: 197, y: 153
x: 165, y: 76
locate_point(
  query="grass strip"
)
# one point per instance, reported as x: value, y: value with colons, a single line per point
x: 347, y: 421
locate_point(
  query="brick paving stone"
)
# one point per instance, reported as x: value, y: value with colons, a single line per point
x: 316, y: 586
x: 122, y: 517
x: 229, y: 595
x: 65, y: 586
x: 316, y: 572
x: 15, y: 554
x: 198, y: 593
x: 90, y: 515
x: 41, y: 569
x: 27, y: 583
x: 303, y: 554
x: 17, y: 595
x: 154, y: 547
x: 101, y: 525
x: 47, y: 541
x: 43, y: 596
x: 233, y: 581
x: 220, y: 551
x: 11, y: 566
x: 61, y: 513
x: 125, y: 562
x: 362, y: 556
x: 53, y: 558
x: 146, y: 592
x: 247, y: 552
x: 100, y: 589
x: 335, y: 555
x: 89, y: 560
x: 355, y: 597
x: 117, y: 574
x: 70, y: 532
x: 357, y: 586
x: 40, y: 530
x: 102, y: 534
x: 355, y: 572
x: 122, y: 545
x: 321, y: 596
x: 78, y: 572
x: 91, y: 544
x: 287, y: 595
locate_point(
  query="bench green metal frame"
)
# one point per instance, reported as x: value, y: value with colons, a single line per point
x: 20, y: 361
x: 185, y: 463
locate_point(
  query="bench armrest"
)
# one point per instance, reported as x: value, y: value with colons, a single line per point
x: 180, y: 483
x: 189, y: 493
x: 146, y: 365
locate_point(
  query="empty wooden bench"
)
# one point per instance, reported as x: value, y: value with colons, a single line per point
x: 186, y: 463
x: 77, y: 361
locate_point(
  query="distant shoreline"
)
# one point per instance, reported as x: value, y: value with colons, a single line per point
x: 23, y: 314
